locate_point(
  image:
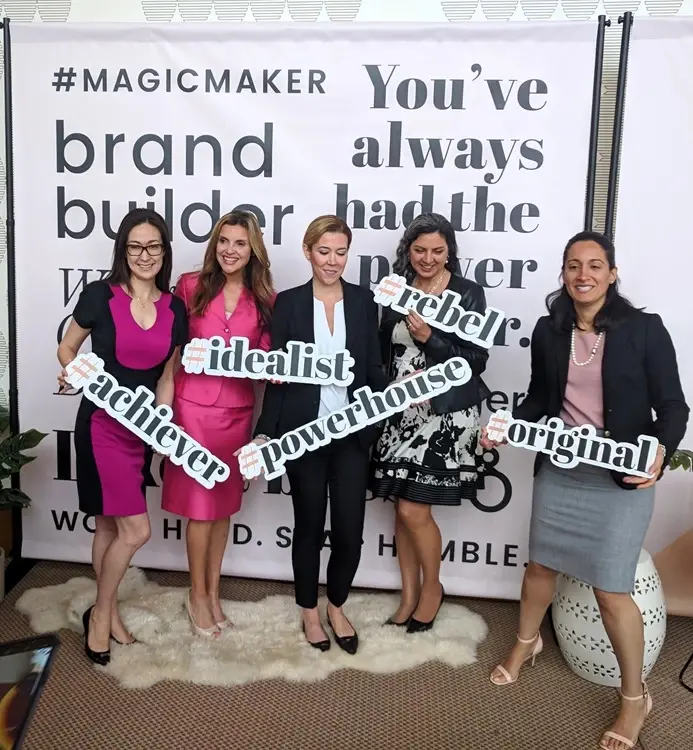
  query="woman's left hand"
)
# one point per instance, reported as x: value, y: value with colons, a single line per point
x: 418, y: 328
x: 644, y: 482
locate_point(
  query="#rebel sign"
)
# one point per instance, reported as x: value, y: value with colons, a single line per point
x: 444, y: 312
x: 136, y: 410
x: 367, y: 408
x: 568, y: 446
x: 300, y: 363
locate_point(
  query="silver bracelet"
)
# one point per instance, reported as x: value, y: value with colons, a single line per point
x: 266, y: 438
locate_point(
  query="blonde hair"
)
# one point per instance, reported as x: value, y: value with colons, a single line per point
x: 322, y: 225
x: 256, y: 276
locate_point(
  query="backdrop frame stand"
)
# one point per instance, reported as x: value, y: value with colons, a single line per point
x: 594, y: 126
x: 610, y: 218
x: 18, y: 567
x: 590, y: 187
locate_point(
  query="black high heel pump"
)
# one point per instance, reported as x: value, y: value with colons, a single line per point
x: 102, y: 658
x: 416, y: 626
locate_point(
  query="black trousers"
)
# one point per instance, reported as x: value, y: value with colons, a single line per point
x: 341, y: 467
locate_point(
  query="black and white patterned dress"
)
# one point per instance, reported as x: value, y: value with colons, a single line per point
x: 420, y: 456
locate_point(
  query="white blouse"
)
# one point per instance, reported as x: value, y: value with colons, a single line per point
x: 332, y: 397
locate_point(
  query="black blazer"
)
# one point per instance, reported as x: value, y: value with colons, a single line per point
x: 288, y: 406
x: 442, y: 345
x: 639, y: 374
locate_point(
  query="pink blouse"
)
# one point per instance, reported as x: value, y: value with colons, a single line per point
x: 583, y: 401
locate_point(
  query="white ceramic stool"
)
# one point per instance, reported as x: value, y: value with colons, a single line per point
x: 580, y: 631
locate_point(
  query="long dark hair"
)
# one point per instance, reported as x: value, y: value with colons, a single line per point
x: 120, y: 270
x: 616, y: 307
x: 425, y: 224
x: 257, y: 276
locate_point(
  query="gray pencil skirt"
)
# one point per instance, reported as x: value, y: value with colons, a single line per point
x: 584, y: 525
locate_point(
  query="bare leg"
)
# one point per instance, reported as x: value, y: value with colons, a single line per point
x: 409, y: 568
x: 538, y: 588
x: 198, y: 536
x: 424, y: 532
x: 104, y: 534
x: 215, y: 557
x: 624, y: 626
x: 133, y: 532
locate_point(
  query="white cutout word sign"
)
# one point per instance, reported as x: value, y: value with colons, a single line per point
x: 136, y: 410
x: 367, y: 408
x: 568, y: 446
x: 444, y: 312
x: 300, y: 363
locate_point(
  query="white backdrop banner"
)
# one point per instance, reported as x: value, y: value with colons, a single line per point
x: 654, y: 205
x: 486, y: 124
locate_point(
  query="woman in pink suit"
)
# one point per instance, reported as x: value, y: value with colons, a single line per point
x: 231, y: 296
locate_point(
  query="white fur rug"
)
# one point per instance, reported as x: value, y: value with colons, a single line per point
x: 266, y: 642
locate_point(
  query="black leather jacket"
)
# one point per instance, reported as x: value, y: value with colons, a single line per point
x: 442, y: 345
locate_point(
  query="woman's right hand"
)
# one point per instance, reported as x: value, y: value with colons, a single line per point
x: 256, y: 441
x: 486, y: 442
x: 63, y: 385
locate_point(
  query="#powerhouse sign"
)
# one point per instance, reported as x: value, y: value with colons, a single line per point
x: 474, y: 121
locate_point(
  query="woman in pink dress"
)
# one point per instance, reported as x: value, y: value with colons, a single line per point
x: 231, y: 296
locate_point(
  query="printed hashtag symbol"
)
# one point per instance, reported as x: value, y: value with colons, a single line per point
x: 498, y: 426
x: 250, y: 461
x: 82, y: 368
x: 195, y: 356
x: 64, y: 79
x: 388, y: 289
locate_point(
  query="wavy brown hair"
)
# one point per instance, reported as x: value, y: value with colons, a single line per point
x: 256, y: 275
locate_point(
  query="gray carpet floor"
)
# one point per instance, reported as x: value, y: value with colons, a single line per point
x: 433, y: 707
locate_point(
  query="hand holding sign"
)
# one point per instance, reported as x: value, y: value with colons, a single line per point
x: 569, y: 446
x: 655, y: 470
x: 444, y: 312
x: 419, y: 330
x: 270, y: 457
x: 300, y: 363
x: 136, y: 411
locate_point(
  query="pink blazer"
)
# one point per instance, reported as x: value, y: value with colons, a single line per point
x: 214, y: 390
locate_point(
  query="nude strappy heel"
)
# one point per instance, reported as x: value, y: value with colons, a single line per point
x: 620, y: 738
x: 538, y: 648
x: 212, y: 632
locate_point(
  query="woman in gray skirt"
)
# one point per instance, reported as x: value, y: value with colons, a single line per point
x: 596, y: 360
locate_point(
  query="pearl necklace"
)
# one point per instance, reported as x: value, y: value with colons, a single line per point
x: 594, y: 349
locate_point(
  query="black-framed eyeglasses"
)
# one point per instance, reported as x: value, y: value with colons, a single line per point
x: 154, y: 250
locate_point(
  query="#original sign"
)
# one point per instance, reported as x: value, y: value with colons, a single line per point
x: 136, y: 410
x: 569, y: 446
x: 367, y: 408
x: 444, y: 312
x: 300, y: 363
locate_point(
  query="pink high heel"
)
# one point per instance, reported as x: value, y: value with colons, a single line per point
x: 620, y: 738
x: 538, y: 648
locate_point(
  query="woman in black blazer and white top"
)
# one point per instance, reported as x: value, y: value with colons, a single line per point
x: 596, y: 360
x: 335, y: 315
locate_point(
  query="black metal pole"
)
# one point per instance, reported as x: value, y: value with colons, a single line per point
x: 594, y: 125
x: 11, y: 281
x: 627, y: 20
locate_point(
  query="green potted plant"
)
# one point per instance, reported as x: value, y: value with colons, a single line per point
x: 12, y: 458
x: 675, y: 562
